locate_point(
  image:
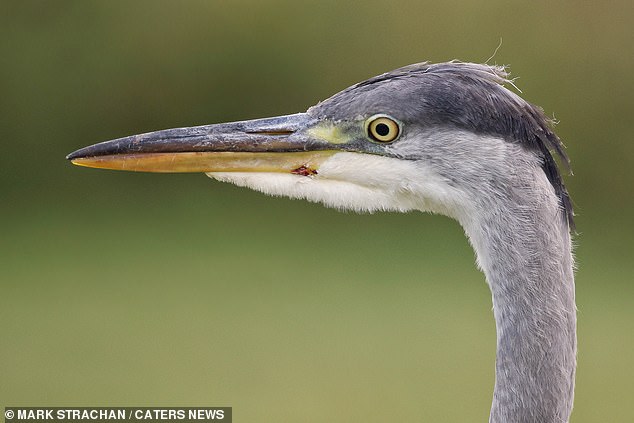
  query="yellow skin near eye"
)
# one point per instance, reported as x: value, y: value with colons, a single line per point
x: 383, y: 129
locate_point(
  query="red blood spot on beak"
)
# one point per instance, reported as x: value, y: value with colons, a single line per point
x: 304, y: 171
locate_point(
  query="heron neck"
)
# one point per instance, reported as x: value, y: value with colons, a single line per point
x: 524, y: 248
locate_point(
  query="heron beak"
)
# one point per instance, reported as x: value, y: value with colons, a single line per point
x: 278, y: 144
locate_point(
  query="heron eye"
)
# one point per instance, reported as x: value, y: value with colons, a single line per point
x: 382, y: 128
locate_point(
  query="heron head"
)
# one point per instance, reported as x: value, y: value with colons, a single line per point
x: 422, y: 137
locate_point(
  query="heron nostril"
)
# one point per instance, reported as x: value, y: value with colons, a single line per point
x: 281, y: 132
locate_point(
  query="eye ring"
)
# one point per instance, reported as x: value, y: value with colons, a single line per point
x: 382, y: 128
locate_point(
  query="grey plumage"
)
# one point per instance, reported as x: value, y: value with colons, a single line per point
x: 466, y: 96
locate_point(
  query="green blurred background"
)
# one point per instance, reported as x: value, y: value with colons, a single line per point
x: 139, y: 289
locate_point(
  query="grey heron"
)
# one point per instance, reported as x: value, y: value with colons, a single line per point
x: 446, y: 138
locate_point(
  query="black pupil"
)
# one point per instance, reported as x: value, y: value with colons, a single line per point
x: 382, y: 129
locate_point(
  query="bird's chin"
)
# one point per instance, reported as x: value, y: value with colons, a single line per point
x: 346, y: 181
x: 341, y: 195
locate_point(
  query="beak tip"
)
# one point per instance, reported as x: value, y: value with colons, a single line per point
x: 74, y: 155
x: 78, y: 162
